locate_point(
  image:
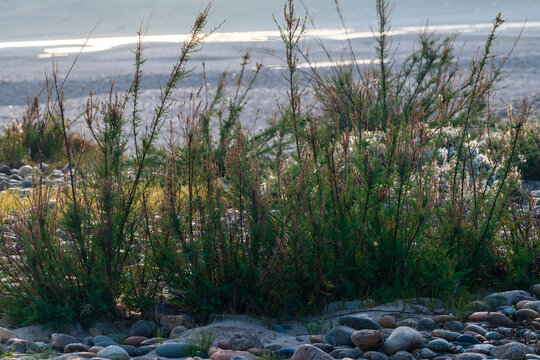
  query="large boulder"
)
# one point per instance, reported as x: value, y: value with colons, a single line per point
x: 33, y: 333
x: 403, y: 338
x: 244, y: 339
x: 535, y: 289
x: 6, y: 334
x: 310, y: 352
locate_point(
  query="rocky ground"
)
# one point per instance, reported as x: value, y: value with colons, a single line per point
x: 502, y: 326
x: 24, y: 178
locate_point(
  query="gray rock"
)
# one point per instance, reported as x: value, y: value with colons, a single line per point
x: 403, y: 338
x: 346, y: 352
x: 340, y: 335
x: 533, y: 305
x: 244, y: 339
x: 131, y: 350
x: 511, y: 351
x: 493, y: 335
x: 32, y: 333
x: 427, y: 354
x: 113, y: 352
x: 471, y: 356
x: 104, y: 341
x: 310, y: 352
x: 177, y: 331
x: 451, y: 336
x: 172, y: 350
x: 481, y: 349
x: 465, y: 340
x: 45, y: 169
x: 374, y: 355
x: 25, y: 171
x: 426, y: 324
x: 403, y: 355
x: 526, y: 314
x: 358, y: 322
x: 59, y: 341
x: 454, y: 325
x: 506, y: 298
x: 17, y: 346
x: 439, y: 345
x: 4, y: 169
x: 4, y: 185
x: 535, y: 289
x: 143, y: 328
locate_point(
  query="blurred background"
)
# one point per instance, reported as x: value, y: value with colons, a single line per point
x: 33, y: 30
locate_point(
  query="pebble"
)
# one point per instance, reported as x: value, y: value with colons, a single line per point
x: 315, y: 339
x: 439, y: 345
x: 403, y: 355
x: 426, y: 324
x: 465, y: 340
x: 454, y: 326
x: 388, y: 322
x: 374, y: 355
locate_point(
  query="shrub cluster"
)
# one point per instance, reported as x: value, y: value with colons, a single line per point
x: 390, y: 181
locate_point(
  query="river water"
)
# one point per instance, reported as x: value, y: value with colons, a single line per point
x: 32, y: 31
